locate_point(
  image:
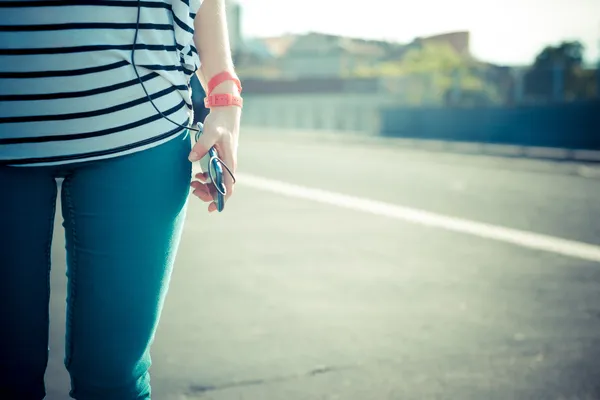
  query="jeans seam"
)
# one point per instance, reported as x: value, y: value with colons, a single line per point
x: 49, y: 237
x: 72, y: 267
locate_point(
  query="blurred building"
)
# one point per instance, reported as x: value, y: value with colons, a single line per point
x: 323, y: 55
x: 459, y: 41
x: 308, y: 81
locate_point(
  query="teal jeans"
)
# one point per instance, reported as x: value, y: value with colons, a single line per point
x: 123, y: 218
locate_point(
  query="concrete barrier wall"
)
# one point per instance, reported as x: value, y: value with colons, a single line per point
x: 569, y: 126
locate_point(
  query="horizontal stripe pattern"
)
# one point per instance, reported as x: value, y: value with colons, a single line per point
x: 68, y: 91
x: 82, y: 25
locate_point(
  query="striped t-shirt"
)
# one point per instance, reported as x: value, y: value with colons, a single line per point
x: 68, y: 90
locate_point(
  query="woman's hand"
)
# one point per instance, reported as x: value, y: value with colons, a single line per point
x: 221, y: 129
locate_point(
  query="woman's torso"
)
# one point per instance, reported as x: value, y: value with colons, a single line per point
x: 68, y: 90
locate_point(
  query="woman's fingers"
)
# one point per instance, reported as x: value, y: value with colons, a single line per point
x: 204, y: 192
x: 212, y: 207
x: 202, y: 176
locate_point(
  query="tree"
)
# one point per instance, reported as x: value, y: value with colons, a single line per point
x: 558, y: 74
x: 567, y: 54
x: 430, y: 73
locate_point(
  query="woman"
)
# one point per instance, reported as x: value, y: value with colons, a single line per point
x: 73, y: 106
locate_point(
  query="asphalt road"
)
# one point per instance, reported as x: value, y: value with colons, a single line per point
x: 293, y: 299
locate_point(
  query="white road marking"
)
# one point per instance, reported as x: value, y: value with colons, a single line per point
x: 521, y: 238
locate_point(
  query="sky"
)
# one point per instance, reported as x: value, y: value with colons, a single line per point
x: 508, y: 32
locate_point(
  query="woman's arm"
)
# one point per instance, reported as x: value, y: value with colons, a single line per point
x: 222, y: 124
x: 211, y: 37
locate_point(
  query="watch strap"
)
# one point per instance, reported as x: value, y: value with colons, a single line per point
x: 223, y: 100
x: 223, y: 77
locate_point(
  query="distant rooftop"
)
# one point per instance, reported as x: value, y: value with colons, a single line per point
x: 278, y: 46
